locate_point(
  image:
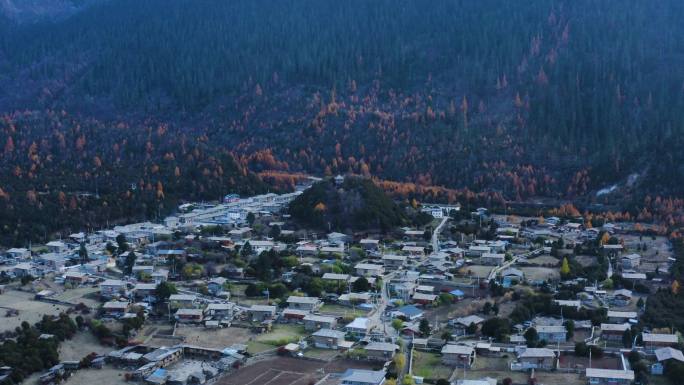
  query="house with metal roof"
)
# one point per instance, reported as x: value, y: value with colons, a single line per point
x: 535, y: 358
x: 328, y: 339
x: 381, y: 351
x: 655, y: 340
x: 303, y: 303
x: 609, y: 376
x: 458, y: 355
x: 363, y: 377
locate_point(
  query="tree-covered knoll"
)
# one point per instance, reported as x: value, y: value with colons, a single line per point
x: 356, y: 204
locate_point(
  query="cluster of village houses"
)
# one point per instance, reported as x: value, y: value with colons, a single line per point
x: 413, y: 275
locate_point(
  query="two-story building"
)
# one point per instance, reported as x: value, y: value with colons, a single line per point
x: 458, y: 355
x: 316, y: 322
x: 189, y: 315
x: 369, y: 244
x: 304, y: 303
x: 622, y: 297
x: 613, y: 332
x: 552, y: 333
x: 145, y: 291
x: 630, y: 261
x: 327, y: 339
x: 492, y: 259
x: 381, y: 351
x: 359, y: 327
x: 115, y: 308
x: 111, y: 288
x: 393, y: 262
x: 219, y: 310
x: 262, y: 312
x: 341, y: 279
x: 75, y: 278
x: 183, y: 301
x: 18, y: 253
x: 462, y: 324
x: 369, y: 269
x: 536, y: 358
x: 654, y: 341
x: 424, y: 299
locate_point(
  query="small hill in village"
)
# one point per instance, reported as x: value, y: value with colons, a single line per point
x: 352, y: 203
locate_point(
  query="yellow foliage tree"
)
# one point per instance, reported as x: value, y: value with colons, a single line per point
x: 565, y: 267
x: 675, y: 287
x: 400, y: 362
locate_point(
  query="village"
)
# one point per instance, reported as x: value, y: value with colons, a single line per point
x: 237, y: 292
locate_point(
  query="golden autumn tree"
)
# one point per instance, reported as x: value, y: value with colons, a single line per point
x: 160, y: 190
x: 565, y: 267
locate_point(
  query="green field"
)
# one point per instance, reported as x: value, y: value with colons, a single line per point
x: 342, y: 311
x: 254, y: 347
x: 281, y: 334
x: 429, y: 365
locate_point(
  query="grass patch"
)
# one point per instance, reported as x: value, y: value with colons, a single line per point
x: 429, y: 365
x: 324, y: 354
x: 343, y: 311
x: 254, y: 347
x: 282, y: 334
x: 491, y: 363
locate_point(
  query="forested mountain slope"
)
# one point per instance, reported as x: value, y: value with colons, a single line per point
x: 28, y: 11
x: 542, y: 98
x: 63, y: 173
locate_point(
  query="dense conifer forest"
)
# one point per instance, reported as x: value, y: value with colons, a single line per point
x: 518, y: 100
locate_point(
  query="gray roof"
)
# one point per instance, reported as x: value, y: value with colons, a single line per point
x: 457, y: 349
x: 189, y: 312
x: 363, y: 376
x: 551, y: 329
x: 382, y: 346
x: 182, y: 297
x: 329, y: 333
x: 159, y: 354
x: 610, y: 373
x: 536, y: 352
x: 267, y: 308
x: 466, y: 321
x: 333, y: 276
x: 621, y: 314
x: 319, y: 318
x: 307, y: 300
x: 655, y: 337
x: 664, y: 354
